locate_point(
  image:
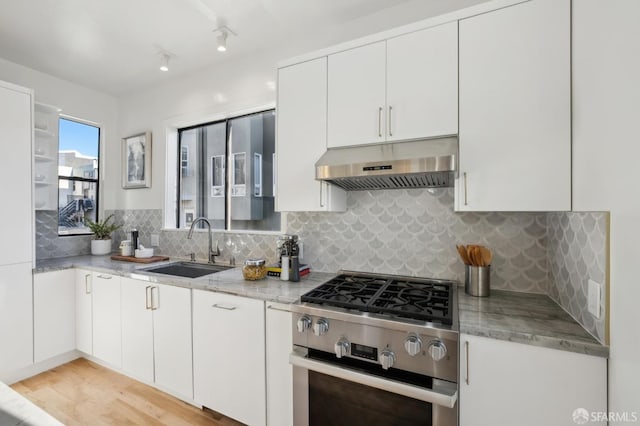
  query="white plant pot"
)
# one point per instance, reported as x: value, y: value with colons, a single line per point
x: 100, y: 247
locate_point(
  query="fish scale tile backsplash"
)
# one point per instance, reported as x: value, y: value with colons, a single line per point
x: 414, y: 232
x: 406, y: 232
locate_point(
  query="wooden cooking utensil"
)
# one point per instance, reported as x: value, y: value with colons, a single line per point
x: 462, y: 251
x: 487, y: 256
x: 477, y: 256
x: 470, y: 255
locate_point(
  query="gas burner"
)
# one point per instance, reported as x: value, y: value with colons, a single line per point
x: 402, y: 297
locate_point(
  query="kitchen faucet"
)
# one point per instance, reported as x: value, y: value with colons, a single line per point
x: 212, y: 254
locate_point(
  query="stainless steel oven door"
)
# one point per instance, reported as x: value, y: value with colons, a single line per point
x: 325, y: 393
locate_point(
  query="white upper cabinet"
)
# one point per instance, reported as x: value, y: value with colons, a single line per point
x: 15, y: 174
x: 402, y: 88
x: 422, y: 83
x: 515, y: 139
x: 356, y: 110
x: 302, y: 139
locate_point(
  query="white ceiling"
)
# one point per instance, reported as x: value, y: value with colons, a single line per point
x: 115, y: 46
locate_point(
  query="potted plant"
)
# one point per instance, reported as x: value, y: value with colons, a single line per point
x: 101, y: 243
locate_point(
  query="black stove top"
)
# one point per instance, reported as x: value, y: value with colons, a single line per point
x: 403, y: 297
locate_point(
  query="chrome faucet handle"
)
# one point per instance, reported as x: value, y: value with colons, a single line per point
x: 232, y: 260
x: 192, y: 256
x: 213, y: 254
x: 217, y: 252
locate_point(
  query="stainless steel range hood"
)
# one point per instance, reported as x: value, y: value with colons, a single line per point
x: 426, y: 163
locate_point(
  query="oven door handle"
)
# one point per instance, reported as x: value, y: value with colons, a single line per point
x: 447, y: 397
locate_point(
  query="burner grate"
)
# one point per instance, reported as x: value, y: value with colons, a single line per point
x: 420, y: 299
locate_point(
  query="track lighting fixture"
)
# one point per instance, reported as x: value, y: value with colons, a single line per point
x: 164, y: 65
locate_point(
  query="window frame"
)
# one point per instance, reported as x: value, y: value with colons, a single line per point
x: 172, y: 222
x: 73, y: 179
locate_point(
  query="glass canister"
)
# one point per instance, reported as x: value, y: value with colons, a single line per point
x: 254, y: 269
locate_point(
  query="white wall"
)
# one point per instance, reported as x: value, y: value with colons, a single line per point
x: 206, y: 95
x: 76, y: 101
x: 606, y: 175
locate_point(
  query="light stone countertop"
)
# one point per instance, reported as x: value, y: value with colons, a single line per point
x: 229, y: 281
x: 532, y: 319
x: 16, y: 410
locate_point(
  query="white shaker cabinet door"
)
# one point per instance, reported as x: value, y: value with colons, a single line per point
x: 229, y: 355
x: 54, y: 313
x: 422, y: 83
x: 515, y: 139
x: 16, y: 220
x: 279, y: 371
x: 84, y: 311
x: 302, y: 139
x: 357, y: 98
x: 504, y: 383
x: 137, y: 329
x: 107, y: 336
x: 172, y: 339
x: 16, y: 318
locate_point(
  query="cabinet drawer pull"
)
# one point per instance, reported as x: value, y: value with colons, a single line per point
x: 148, y: 297
x: 105, y: 277
x: 226, y: 308
x: 466, y: 350
x: 87, y: 284
x: 465, y: 188
x: 380, y: 122
x: 389, y: 121
x: 155, y: 302
x: 273, y: 308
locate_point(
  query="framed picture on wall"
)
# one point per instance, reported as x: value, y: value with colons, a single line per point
x: 136, y: 161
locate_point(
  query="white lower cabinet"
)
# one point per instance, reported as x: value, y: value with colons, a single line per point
x: 107, y: 336
x: 53, y: 313
x: 16, y: 317
x: 229, y: 355
x: 279, y: 371
x: 506, y: 383
x: 156, y: 335
x: 84, y: 312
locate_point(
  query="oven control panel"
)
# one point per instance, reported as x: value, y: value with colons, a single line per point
x: 419, y: 350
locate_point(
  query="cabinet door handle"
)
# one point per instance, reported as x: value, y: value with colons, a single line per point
x: 389, y: 121
x: 226, y: 308
x: 148, y: 297
x: 321, y: 199
x: 155, y: 302
x: 466, y: 350
x: 465, y: 188
x: 105, y: 277
x: 380, y: 122
x: 87, y: 284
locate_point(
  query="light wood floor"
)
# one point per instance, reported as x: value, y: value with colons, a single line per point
x: 84, y: 393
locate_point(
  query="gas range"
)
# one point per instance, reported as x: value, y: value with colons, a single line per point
x: 388, y: 342
x: 398, y: 322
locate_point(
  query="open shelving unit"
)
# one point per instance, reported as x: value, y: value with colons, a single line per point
x: 45, y: 156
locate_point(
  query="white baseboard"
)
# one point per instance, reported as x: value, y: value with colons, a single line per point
x: 41, y: 367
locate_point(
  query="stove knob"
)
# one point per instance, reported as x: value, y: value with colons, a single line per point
x: 387, y: 358
x: 413, y: 344
x: 437, y: 350
x: 341, y: 347
x: 304, y: 324
x: 321, y: 327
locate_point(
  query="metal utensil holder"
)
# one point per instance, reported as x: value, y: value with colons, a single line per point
x: 477, y: 280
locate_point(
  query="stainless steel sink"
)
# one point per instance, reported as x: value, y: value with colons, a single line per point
x: 187, y: 269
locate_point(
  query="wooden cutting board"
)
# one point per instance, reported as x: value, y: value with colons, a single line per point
x: 139, y: 259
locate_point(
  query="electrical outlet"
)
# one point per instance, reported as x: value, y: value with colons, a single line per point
x: 155, y: 240
x: 594, y: 292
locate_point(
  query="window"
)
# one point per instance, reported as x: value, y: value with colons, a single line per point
x: 78, y: 160
x: 229, y: 176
